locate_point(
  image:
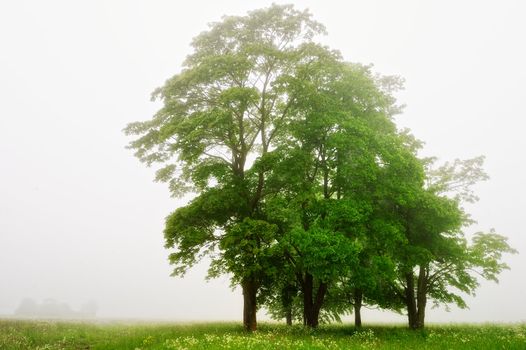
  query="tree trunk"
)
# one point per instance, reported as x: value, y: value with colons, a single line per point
x: 358, y: 295
x: 288, y: 316
x: 410, y: 301
x: 421, y: 296
x: 287, y: 299
x: 249, y: 305
x: 312, y: 305
x: 320, y: 297
x: 307, y: 299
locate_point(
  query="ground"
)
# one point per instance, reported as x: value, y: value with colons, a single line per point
x: 50, y: 335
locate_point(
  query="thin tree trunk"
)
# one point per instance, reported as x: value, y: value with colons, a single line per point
x: 288, y: 316
x: 421, y: 296
x: 320, y: 297
x: 287, y: 299
x: 249, y: 305
x: 358, y: 295
x: 410, y: 301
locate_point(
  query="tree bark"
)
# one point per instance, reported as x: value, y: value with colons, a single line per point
x: 312, y: 304
x: 288, y: 316
x: 358, y: 295
x: 307, y: 299
x: 249, y: 305
x: 320, y: 297
x: 411, y: 301
x: 421, y: 296
x: 287, y: 299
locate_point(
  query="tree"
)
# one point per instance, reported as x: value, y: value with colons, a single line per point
x: 303, y: 186
x: 437, y: 255
x: 225, y: 108
x: 396, y: 176
x: 330, y: 161
x: 250, y: 253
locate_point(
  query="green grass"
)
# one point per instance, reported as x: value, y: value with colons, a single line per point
x: 70, y: 335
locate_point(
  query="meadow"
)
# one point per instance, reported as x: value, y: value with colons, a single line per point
x: 51, y: 335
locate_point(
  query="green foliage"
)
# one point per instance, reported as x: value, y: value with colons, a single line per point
x: 324, y: 254
x: 437, y: 262
x: 300, y: 174
x: 456, y: 178
x: 193, y: 229
x: 226, y: 106
x: 486, y: 254
x: 249, y: 250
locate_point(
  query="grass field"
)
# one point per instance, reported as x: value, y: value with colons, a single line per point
x: 71, y: 335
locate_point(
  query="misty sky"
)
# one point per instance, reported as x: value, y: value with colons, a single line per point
x: 81, y: 218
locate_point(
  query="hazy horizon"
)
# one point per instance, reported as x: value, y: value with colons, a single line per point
x: 81, y: 218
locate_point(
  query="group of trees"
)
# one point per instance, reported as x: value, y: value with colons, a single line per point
x: 306, y: 193
x: 50, y: 308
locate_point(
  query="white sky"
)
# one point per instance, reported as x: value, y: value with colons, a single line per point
x: 80, y: 217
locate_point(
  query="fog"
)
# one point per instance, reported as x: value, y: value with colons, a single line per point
x: 81, y: 219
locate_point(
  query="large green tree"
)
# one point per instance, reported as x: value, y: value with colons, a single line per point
x: 222, y: 111
x: 303, y: 187
x: 332, y: 155
x: 397, y: 174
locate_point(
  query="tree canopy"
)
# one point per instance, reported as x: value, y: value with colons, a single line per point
x: 306, y: 192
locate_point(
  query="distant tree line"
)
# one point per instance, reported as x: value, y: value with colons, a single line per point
x: 51, y: 308
x: 307, y: 194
